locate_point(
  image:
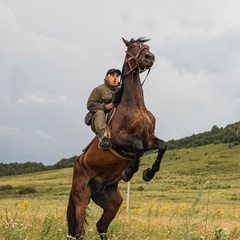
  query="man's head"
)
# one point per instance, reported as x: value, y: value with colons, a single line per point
x: 112, y: 77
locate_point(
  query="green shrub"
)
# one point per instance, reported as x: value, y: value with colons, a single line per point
x: 6, y: 187
x: 140, y: 188
x: 27, y: 190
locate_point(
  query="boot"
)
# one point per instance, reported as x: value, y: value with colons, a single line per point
x: 105, y: 143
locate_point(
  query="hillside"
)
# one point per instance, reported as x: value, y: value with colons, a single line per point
x: 230, y: 135
x: 196, y: 191
x: 182, y: 172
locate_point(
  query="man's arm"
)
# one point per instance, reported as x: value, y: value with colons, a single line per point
x: 95, y: 102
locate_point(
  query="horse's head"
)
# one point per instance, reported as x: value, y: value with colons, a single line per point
x: 138, y: 55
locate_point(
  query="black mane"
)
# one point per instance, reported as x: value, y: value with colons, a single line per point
x: 140, y: 39
x: 117, y: 95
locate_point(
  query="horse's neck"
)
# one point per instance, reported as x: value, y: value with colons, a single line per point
x: 132, y: 92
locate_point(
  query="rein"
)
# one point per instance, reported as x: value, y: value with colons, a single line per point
x: 146, y: 76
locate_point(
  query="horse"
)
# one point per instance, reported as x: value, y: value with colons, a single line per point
x: 97, y: 172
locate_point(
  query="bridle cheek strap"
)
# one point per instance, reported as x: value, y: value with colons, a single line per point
x: 137, y: 61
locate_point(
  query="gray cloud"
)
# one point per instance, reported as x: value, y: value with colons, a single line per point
x: 53, y: 53
x: 212, y: 53
x: 43, y: 99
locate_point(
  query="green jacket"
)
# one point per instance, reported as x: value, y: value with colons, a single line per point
x: 100, y: 96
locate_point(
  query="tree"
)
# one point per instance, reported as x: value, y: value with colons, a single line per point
x: 215, y: 129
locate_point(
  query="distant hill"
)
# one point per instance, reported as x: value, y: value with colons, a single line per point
x: 65, y: 162
x: 30, y: 167
x: 230, y: 134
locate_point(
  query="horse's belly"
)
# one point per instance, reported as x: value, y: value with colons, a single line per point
x: 103, y: 165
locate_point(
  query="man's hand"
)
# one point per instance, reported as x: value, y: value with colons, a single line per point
x: 109, y: 106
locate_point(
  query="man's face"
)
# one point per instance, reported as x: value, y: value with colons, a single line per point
x: 113, y: 79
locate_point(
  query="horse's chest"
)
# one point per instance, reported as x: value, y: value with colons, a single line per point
x: 140, y: 123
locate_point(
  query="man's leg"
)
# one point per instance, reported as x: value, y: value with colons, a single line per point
x: 99, y: 123
x: 99, y: 126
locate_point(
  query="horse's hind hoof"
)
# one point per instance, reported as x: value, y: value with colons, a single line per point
x: 147, y: 176
x: 103, y: 236
x: 125, y: 177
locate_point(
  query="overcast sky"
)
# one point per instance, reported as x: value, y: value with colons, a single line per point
x: 54, y: 52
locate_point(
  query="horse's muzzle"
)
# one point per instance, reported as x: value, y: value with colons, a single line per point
x: 147, y: 61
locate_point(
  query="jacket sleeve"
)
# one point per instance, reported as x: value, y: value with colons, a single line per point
x: 94, y: 102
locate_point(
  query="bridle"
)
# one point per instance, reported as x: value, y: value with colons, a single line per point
x: 137, y: 61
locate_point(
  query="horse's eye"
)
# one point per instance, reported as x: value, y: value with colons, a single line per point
x: 132, y: 46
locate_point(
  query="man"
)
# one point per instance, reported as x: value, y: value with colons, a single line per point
x: 99, y: 102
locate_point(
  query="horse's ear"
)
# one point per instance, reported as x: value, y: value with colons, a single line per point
x: 125, y: 41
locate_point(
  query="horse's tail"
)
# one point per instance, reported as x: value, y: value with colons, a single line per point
x: 71, y: 216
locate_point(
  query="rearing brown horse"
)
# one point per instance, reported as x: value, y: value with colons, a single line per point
x: 96, y: 171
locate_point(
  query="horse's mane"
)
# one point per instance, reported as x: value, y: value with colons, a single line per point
x: 117, y: 95
x: 140, y: 39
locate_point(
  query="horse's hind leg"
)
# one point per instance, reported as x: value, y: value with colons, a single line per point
x: 149, y: 173
x: 109, y: 200
x: 71, y: 219
x: 78, y: 201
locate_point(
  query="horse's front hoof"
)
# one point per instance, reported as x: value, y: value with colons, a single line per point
x: 148, y: 175
x: 125, y: 177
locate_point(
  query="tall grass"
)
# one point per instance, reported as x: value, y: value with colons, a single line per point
x: 29, y: 219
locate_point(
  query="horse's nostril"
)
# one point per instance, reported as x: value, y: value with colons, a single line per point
x: 147, y: 56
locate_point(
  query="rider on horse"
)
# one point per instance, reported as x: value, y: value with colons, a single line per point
x: 100, y: 102
x: 97, y: 173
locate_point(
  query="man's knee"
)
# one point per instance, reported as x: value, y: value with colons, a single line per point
x: 100, y: 114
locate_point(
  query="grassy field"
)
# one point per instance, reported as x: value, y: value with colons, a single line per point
x: 196, y: 195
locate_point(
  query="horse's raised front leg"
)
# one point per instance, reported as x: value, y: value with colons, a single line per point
x: 127, y: 174
x: 149, y: 173
x: 109, y: 200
